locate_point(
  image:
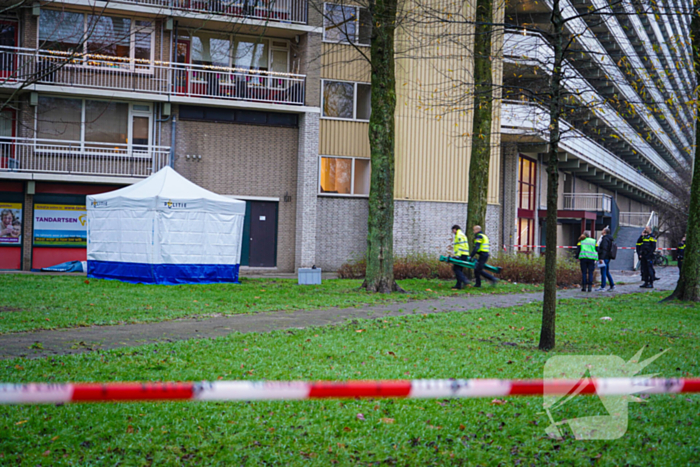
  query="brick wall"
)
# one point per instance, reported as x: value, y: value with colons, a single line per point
x: 307, y: 54
x: 341, y: 230
x: 245, y: 160
x: 419, y: 227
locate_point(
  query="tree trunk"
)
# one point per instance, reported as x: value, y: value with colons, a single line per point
x: 549, y: 305
x: 380, y: 234
x: 688, y: 287
x: 483, y: 105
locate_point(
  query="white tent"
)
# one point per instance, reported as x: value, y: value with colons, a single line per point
x: 164, y: 230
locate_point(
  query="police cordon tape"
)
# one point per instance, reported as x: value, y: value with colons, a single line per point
x: 566, y: 246
x: 42, y: 393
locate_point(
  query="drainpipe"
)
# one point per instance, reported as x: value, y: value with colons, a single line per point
x: 172, y: 142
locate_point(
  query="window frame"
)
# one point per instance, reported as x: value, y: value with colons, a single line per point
x: 354, y: 100
x: 131, y: 151
x: 352, y: 176
x: 132, y: 66
x: 357, y: 29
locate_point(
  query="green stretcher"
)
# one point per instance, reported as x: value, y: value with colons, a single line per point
x: 469, y: 264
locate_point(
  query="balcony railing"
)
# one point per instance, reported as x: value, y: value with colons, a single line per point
x: 638, y: 219
x: 284, y: 11
x: 587, y: 202
x: 137, y: 75
x: 80, y: 158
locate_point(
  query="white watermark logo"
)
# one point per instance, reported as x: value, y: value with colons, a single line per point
x: 577, y: 369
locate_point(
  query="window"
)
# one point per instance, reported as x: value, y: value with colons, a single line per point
x: 527, y: 190
x: 527, y: 183
x: 346, y: 100
x: 245, y: 53
x: 94, y: 124
x: 107, y: 39
x: 345, y: 176
x: 344, y: 23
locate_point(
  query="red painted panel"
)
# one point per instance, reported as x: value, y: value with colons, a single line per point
x: 43, y: 257
x: 10, y: 257
x: 15, y: 187
x: 74, y: 189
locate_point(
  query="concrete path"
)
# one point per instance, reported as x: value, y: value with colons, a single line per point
x: 78, y: 340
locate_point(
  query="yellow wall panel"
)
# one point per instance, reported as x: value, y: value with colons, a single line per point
x: 344, y: 62
x: 343, y: 138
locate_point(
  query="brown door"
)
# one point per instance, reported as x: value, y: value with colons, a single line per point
x: 263, y: 234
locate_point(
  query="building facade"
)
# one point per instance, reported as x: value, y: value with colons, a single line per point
x: 269, y: 102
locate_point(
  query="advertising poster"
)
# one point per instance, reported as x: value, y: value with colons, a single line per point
x: 10, y: 223
x: 60, y: 225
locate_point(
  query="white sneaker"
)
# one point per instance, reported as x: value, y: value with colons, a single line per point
x: 600, y: 289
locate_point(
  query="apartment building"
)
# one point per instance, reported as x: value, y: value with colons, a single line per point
x: 269, y: 102
x: 634, y: 80
x: 100, y: 95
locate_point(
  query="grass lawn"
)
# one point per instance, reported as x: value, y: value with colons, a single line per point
x: 501, y: 343
x: 33, y: 302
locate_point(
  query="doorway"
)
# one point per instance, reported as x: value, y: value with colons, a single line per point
x: 182, y: 79
x: 259, y: 249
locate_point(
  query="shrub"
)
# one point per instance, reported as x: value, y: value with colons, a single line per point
x: 528, y: 269
x: 519, y: 268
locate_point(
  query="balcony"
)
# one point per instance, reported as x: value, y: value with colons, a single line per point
x: 177, y: 80
x: 593, y: 202
x: 283, y: 11
x: 80, y: 158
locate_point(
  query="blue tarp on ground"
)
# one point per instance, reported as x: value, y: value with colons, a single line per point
x: 70, y: 266
x: 165, y: 274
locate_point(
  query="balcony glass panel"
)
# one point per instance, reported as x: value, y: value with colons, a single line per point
x: 61, y: 30
x: 106, y: 122
x: 109, y: 36
x: 209, y: 49
x: 250, y: 54
x: 59, y: 118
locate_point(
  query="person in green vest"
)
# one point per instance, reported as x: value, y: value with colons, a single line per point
x: 461, y: 251
x: 587, y: 253
x: 481, y: 248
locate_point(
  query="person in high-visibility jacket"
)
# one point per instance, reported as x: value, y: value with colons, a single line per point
x: 587, y: 253
x: 461, y: 251
x: 481, y: 248
x: 681, y: 254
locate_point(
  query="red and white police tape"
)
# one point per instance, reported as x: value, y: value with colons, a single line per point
x: 298, y: 390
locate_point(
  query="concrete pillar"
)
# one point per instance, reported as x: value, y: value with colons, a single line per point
x: 27, y: 231
x: 307, y: 190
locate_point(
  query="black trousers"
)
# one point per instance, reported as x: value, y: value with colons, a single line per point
x: 648, y: 272
x: 587, y: 269
x: 459, y: 271
x: 479, y: 269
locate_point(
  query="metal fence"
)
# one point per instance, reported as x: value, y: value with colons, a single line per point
x: 285, y: 11
x: 84, y: 158
x: 66, y: 69
x: 588, y: 202
x: 638, y: 219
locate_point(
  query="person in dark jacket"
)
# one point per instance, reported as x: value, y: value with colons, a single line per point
x: 587, y: 253
x: 646, y: 246
x: 604, y: 255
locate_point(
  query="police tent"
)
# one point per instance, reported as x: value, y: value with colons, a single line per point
x: 164, y: 230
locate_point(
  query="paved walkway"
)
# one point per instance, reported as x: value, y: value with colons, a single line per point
x: 78, y: 340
